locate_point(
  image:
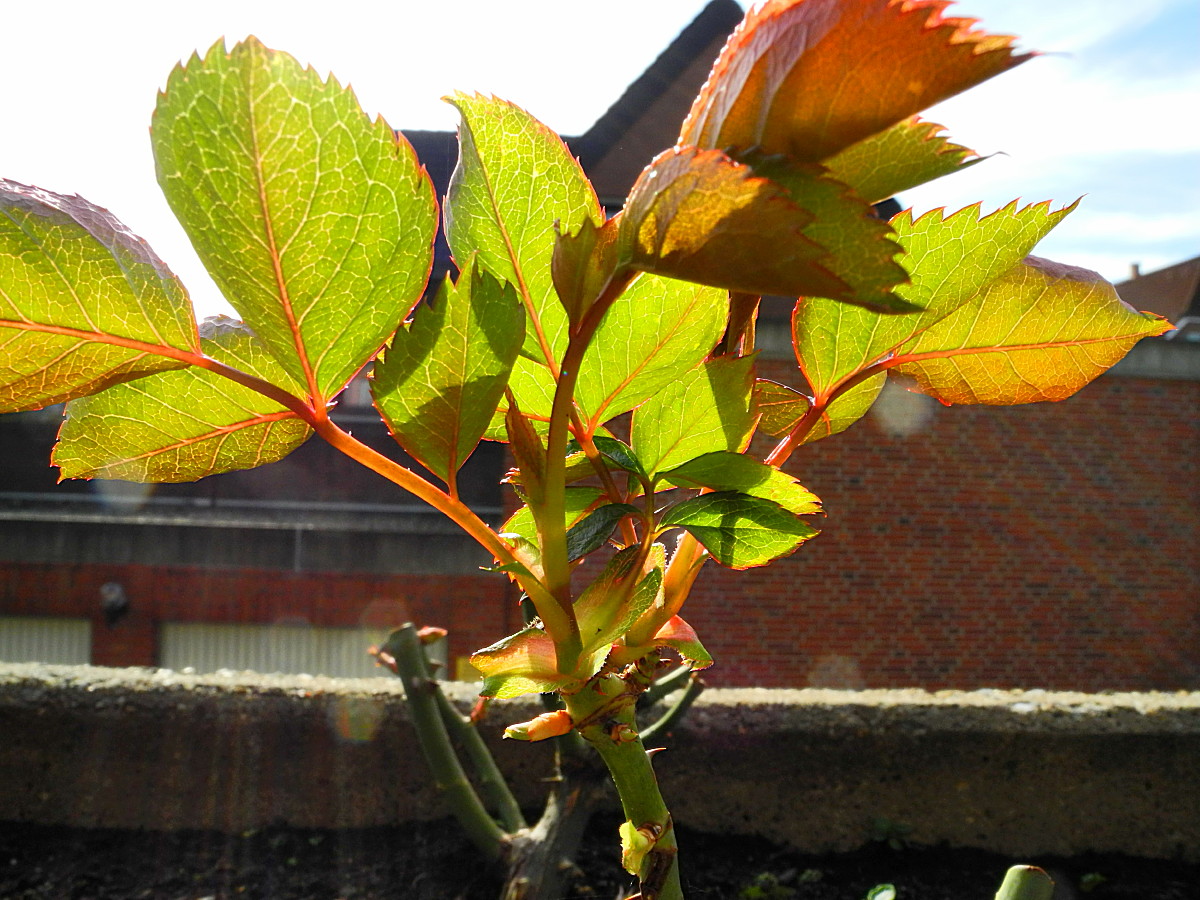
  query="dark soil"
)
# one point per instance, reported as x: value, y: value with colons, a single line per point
x: 430, y: 862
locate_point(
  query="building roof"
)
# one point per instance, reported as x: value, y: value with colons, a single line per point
x: 646, y: 118
x: 644, y: 121
x: 1173, y: 292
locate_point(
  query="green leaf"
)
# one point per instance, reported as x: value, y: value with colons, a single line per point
x: 1040, y: 332
x: 908, y: 154
x: 846, y: 408
x: 617, y: 452
x: 654, y: 332
x: 724, y: 471
x: 439, y: 382
x: 579, y: 467
x: 84, y: 303
x: 591, y: 532
x: 1026, y: 883
x: 533, y: 386
x: 183, y: 425
x: 739, y: 531
x: 948, y: 259
x: 316, y: 223
x: 514, y: 181
x: 618, y: 597
x: 706, y: 409
x: 578, y: 501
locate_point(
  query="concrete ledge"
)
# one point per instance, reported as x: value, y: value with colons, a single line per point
x: 1173, y: 360
x: 1016, y: 772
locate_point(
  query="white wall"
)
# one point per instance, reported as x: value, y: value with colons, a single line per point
x: 46, y: 640
x: 287, y: 647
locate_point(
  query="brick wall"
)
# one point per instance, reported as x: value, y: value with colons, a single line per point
x: 477, y: 609
x: 1052, y: 545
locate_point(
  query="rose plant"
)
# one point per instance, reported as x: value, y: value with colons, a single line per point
x: 614, y: 353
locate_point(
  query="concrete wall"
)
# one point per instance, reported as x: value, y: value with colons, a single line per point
x: 1016, y: 772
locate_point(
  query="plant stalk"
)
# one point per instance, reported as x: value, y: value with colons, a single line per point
x: 677, y: 711
x: 455, y: 510
x: 551, y: 518
x: 493, y: 789
x: 448, y: 775
x: 607, y: 723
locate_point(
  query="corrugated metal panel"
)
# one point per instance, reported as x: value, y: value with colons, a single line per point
x: 288, y: 648
x: 46, y: 640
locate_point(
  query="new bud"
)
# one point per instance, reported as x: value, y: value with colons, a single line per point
x: 547, y: 725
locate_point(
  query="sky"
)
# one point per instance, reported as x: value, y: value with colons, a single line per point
x: 1108, y: 114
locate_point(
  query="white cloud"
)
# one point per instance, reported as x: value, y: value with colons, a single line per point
x: 1086, y: 122
x: 1063, y: 26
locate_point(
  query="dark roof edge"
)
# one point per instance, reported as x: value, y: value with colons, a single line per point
x: 717, y: 20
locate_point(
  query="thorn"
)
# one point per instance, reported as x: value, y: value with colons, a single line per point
x: 654, y: 751
x: 383, y: 658
x: 431, y: 633
x: 478, y: 711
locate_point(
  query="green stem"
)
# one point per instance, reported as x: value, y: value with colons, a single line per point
x: 664, y: 685
x: 678, y: 710
x: 552, y: 517
x: 420, y: 691
x: 492, y: 786
x: 607, y: 723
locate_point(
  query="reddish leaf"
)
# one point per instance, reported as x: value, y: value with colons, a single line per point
x: 527, y: 663
x: 619, y: 596
x: 522, y: 663
x: 861, y: 248
x: 780, y: 408
x: 808, y: 78
x: 700, y: 216
x: 582, y: 264
x: 681, y: 637
x: 540, y: 728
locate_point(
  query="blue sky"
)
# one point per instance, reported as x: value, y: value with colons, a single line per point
x: 1109, y: 113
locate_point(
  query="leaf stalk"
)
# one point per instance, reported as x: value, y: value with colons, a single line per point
x: 551, y: 518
